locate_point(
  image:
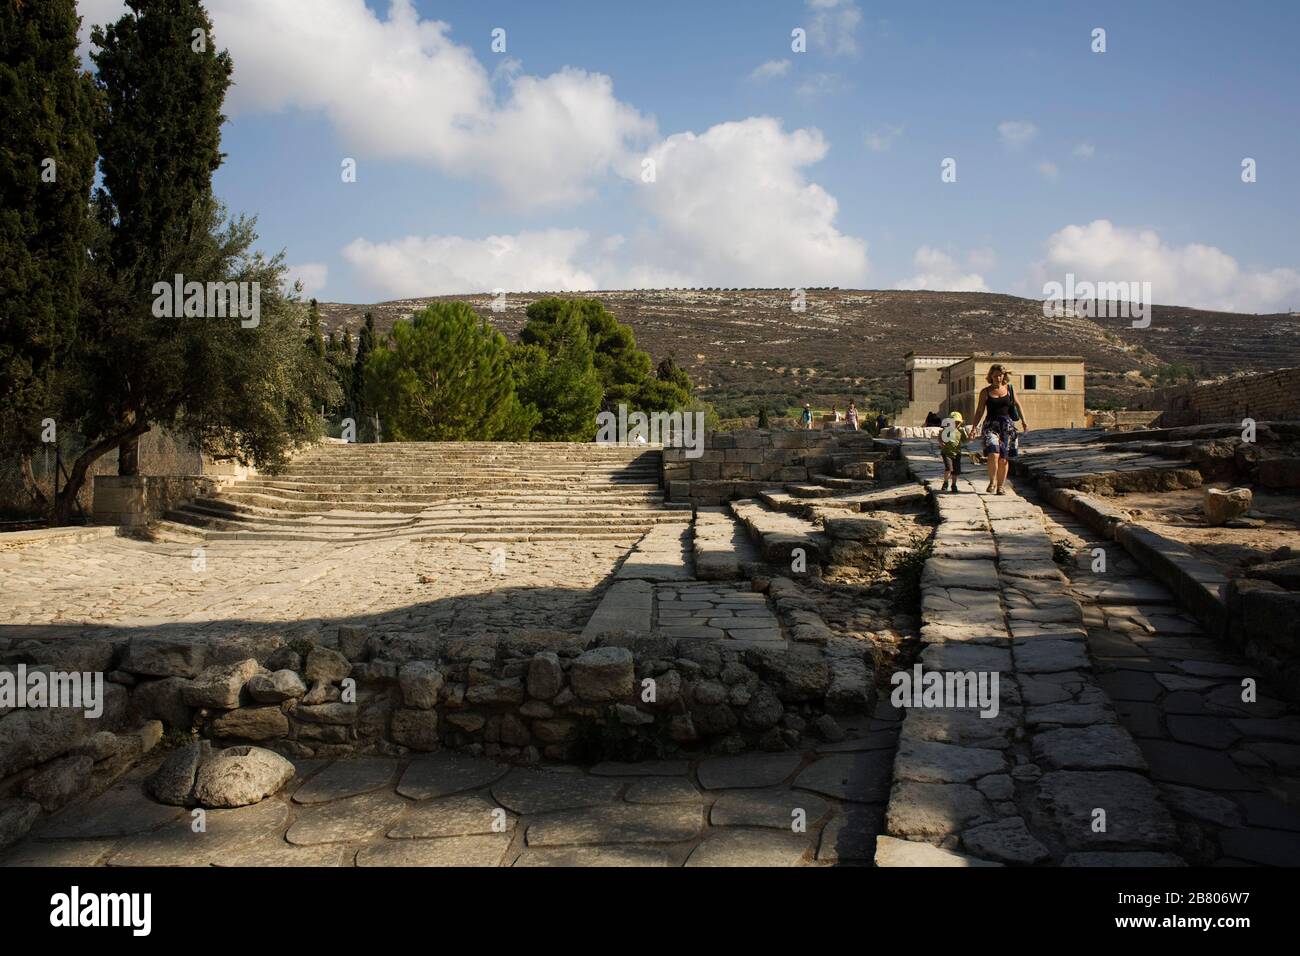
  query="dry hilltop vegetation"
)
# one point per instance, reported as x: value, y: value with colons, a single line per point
x: 745, y: 347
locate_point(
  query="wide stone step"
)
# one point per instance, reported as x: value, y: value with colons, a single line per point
x: 804, y: 490
x: 721, y: 545
x: 778, y: 534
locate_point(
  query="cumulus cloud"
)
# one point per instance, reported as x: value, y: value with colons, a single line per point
x: 1016, y: 133
x: 937, y: 271
x: 1194, y: 275
x: 732, y: 206
x: 401, y: 88
x: 1049, y: 171
x: 770, y: 69
x: 312, y: 275
x: 1085, y: 151
x: 544, y: 260
x: 881, y: 139
x: 834, y: 26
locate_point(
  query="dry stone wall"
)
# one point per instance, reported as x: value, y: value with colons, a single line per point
x: 742, y: 463
x: 1265, y: 397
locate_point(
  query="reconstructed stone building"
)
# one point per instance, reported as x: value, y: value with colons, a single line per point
x: 1048, y: 387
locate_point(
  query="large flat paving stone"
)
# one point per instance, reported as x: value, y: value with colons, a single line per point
x: 648, y: 768
x: 542, y: 791
x: 776, y: 809
x: 1135, y: 817
x: 1099, y: 747
x: 926, y: 761
x: 750, y: 848
x: 617, y: 823
x: 276, y: 852
x: 1194, y: 766
x: 934, y: 811
x: 58, y: 853
x: 624, y: 855
x: 120, y: 811
x: 444, y: 773
x: 663, y: 790
x: 746, y: 770
x: 894, y: 852
x: 850, y: 837
x: 858, y: 777
x: 465, y: 815
x: 349, y: 820
x: 487, y: 850
x: 347, y: 778
x: 177, y: 844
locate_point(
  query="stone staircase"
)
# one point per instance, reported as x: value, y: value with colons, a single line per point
x: 435, y: 491
x: 783, y: 519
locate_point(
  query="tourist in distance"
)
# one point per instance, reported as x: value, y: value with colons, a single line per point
x: 1001, y: 439
x: 853, y: 415
x: 807, y: 417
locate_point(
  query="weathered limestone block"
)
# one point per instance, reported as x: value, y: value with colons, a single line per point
x: 166, y: 656
x: 545, y: 676
x: 420, y: 682
x: 240, y: 776
x: 173, y: 782
x: 603, y: 674
x: 164, y: 700
x: 327, y: 666
x: 417, y: 729
x: 1223, y: 506
x: 251, y: 723
x: 219, y: 686
x: 59, y: 781
x: 275, y: 687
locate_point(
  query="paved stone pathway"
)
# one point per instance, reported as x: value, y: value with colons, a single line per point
x: 1228, y: 769
x: 715, y: 611
x: 819, y: 807
x: 1122, y: 736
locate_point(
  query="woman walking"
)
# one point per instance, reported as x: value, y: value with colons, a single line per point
x: 1001, y: 440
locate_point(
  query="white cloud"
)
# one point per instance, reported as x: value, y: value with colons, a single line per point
x: 881, y: 139
x: 442, y: 265
x: 1085, y: 151
x: 939, y: 272
x: 1016, y: 133
x: 401, y: 88
x: 1194, y: 275
x: 311, y: 274
x: 834, y: 26
x: 820, y: 84
x: 731, y: 206
x: 1049, y: 171
x: 770, y: 69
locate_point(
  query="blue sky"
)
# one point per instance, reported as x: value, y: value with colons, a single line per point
x: 524, y: 169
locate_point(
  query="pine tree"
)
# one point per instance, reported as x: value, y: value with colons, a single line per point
x: 560, y: 381
x: 445, y: 375
x: 47, y: 160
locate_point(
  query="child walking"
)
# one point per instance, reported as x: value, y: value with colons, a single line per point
x: 951, y: 439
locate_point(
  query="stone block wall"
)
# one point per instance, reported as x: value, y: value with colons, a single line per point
x: 1268, y: 396
x: 138, y: 499
x: 741, y: 463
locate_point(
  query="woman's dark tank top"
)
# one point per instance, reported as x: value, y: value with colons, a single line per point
x: 999, y: 406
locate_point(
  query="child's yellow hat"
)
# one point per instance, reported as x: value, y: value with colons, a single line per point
x: 956, y: 416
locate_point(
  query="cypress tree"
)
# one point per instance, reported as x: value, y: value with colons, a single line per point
x: 47, y: 160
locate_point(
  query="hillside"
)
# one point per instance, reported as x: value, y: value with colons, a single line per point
x: 745, y: 347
